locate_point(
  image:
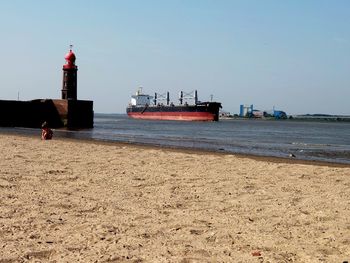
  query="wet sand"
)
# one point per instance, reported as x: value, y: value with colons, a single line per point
x: 76, y: 201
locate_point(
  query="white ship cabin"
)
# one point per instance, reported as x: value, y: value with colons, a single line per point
x: 141, y: 99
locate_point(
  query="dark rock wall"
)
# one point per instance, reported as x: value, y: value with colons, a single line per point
x: 58, y: 113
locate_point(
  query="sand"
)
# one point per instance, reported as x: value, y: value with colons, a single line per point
x: 76, y: 201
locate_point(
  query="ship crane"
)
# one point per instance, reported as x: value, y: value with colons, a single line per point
x: 161, y: 97
x: 193, y: 95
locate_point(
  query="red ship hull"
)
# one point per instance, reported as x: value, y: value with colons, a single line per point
x: 175, y: 116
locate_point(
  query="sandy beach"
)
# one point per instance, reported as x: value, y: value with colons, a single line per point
x: 78, y: 201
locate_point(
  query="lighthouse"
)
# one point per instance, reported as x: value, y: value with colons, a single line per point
x: 68, y: 112
x: 69, y: 83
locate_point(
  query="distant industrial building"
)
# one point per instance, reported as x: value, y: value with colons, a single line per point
x: 248, y: 111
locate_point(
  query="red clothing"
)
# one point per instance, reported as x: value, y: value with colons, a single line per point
x: 46, y: 134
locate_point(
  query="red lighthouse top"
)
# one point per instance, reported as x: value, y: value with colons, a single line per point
x: 70, y: 59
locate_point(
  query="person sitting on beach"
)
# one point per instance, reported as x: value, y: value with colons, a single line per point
x: 46, y: 132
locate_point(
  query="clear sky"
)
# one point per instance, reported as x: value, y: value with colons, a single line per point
x: 291, y: 54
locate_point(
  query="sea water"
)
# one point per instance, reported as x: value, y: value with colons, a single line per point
x: 305, y: 140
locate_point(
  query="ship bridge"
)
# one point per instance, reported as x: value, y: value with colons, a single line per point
x: 141, y: 99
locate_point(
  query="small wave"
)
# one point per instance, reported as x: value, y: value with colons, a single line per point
x: 299, y: 143
x: 314, y: 144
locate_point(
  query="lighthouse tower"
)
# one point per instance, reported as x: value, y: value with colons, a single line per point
x: 69, y: 84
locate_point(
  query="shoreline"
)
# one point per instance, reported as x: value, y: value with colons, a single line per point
x: 272, y: 159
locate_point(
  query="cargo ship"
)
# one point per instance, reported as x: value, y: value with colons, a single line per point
x: 159, y: 107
